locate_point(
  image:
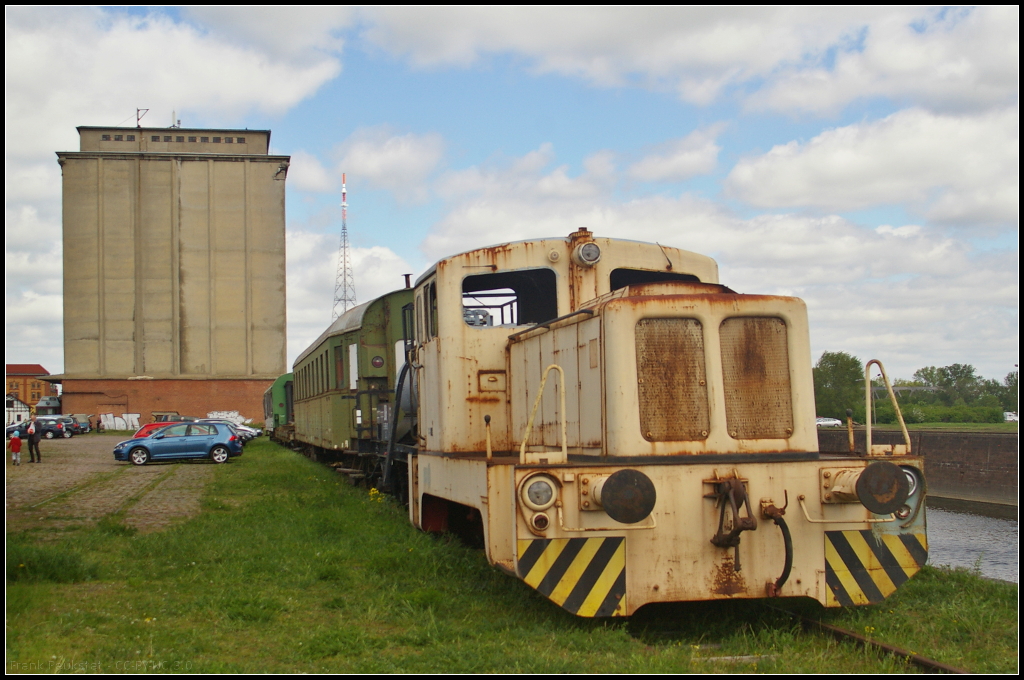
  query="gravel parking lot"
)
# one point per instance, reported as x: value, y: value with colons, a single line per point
x: 79, y: 483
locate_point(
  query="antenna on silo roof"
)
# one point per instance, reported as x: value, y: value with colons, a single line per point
x: 139, y: 113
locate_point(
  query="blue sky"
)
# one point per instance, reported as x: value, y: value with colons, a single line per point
x: 864, y: 159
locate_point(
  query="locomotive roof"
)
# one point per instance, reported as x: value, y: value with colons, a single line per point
x: 425, y: 275
x: 349, y: 321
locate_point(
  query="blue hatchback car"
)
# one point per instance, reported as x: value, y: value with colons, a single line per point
x: 182, y: 440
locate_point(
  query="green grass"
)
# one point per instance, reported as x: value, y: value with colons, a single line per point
x: 287, y: 569
x: 954, y: 427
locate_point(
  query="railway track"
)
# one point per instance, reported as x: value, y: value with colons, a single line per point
x: 923, y: 662
x: 672, y: 630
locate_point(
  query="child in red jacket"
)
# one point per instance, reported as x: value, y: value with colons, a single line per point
x: 14, y: 446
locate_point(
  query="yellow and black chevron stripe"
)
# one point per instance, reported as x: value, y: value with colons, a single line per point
x: 586, y: 576
x: 864, y: 568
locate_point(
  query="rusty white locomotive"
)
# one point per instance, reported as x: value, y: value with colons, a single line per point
x: 614, y: 427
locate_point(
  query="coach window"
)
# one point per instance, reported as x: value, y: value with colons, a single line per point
x: 621, y: 278
x: 509, y: 298
x: 353, y: 366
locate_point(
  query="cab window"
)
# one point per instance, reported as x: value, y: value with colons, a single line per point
x: 432, y: 309
x: 510, y: 298
x: 621, y: 278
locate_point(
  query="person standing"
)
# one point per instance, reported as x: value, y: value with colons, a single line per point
x: 33, y: 437
x: 15, y: 448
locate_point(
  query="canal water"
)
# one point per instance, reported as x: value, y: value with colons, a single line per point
x: 975, y: 536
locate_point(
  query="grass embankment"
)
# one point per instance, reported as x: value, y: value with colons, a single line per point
x: 287, y: 569
x: 953, y: 427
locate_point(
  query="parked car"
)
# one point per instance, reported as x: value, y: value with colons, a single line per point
x: 83, y: 422
x: 51, y: 427
x: 71, y: 425
x: 244, y: 431
x: 829, y: 422
x: 215, y: 441
x: 150, y: 429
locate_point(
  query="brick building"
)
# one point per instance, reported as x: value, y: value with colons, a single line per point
x: 25, y: 383
x: 174, y: 271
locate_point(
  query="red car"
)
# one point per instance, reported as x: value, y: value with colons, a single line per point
x: 150, y: 428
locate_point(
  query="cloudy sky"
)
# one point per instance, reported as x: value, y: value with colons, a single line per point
x: 865, y: 160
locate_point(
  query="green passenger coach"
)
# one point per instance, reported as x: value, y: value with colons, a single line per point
x: 344, y: 383
x: 278, y: 408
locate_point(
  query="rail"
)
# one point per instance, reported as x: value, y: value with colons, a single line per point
x: 929, y: 665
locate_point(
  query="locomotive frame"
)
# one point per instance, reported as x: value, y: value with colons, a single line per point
x: 613, y: 427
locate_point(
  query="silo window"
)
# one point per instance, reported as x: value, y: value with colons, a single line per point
x: 204, y: 139
x: 167, y: 138
x: 216, y: 140
x: 155, y: 138
x: 105, y: 138
x: 131, y: 138
x: 179, y: 138
x: 241, y: 140
x: 118, y: 138
x: 191, y: 139
x: 229, y: 140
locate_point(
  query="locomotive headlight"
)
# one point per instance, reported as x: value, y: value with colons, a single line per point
x: 377, y: 362
x: 586, y: 254
x: 539, y: 492
x: 912, y: 479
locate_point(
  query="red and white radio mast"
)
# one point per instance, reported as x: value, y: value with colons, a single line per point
x: 344, y: 282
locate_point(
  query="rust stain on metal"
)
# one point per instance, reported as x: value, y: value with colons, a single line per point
x: 671, y: 379
x: 726, y: 580
x: 643, y: 294
x: 474, y: 399
x: 755, y: 367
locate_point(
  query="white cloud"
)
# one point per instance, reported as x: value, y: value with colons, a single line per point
x: 35, y: 182
x: 695, y: 50
x: 33, y: 294
x: 398, y: 163
x: 308, y: 174
x: 947, y: 59
x: 75, y: 66
x: 952, y: 168
x: 312, y: 263
x: 801, y: 58
x: 295, y: 32
x: 899, y: 293
x: 681, y: 159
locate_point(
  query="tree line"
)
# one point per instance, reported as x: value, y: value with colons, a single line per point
x: 955, y: 393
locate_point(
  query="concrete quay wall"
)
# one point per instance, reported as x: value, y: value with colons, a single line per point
x: 970, y: 466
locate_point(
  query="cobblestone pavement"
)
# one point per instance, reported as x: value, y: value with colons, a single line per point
x: 79, y: 482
